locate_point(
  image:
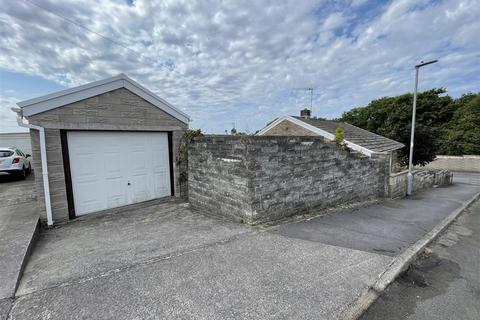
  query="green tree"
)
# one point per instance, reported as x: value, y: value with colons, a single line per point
x: 391, y: 117
x: 463, y: 133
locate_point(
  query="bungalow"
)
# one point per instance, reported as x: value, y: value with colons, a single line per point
x: 356, y: 138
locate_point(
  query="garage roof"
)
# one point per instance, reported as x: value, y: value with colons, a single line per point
x: 64, y: 97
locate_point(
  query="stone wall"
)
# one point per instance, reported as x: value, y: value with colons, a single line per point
x: 264, y: 178
x: 115, y: 110
x: 422, y: 179
x: 456, y: 163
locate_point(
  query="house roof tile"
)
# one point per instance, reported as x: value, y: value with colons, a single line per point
x: 359, y: 136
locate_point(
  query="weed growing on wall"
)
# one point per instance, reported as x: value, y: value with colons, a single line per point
x: 182, y: 158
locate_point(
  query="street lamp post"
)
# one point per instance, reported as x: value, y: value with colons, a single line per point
x: 410, y: 158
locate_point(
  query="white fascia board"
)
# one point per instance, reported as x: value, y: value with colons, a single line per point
x: 358, y: 148
x: 316, y: 130
x: 68, y: 91
x: 58, y: 101
x: 64, y: 97
x: 270, y: 126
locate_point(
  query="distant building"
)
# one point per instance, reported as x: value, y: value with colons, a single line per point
x: 21, y: 140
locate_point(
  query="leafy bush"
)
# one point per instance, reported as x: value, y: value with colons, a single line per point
x: 339, y: 136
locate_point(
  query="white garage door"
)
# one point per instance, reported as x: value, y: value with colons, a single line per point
x: 112, y: 169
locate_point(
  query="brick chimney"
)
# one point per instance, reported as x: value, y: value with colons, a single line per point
x: 305, y: 113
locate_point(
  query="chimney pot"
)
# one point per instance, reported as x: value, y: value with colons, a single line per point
x: 305, y: 113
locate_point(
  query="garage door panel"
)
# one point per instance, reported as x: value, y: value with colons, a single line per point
x: 83, y: 171
x: 116, y: 191
x: 140, y: 188
x: 89, y: 199
x: 111, y: 169
x: 161, y: 167
x: 140, y: 166
x: 160, y: 182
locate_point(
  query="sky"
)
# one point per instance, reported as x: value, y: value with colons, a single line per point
x: 239, y: 63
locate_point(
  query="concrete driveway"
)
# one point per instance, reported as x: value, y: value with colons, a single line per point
x: 18, y: 224
x: 96, y: 245
x: 14, y: 191
x: 165, y: 261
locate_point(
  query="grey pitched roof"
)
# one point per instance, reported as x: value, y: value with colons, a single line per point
x: 356, y: 135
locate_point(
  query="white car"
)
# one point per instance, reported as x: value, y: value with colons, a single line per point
x: 15, y: 162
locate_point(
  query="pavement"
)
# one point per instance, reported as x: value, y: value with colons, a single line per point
x: 167, y: 261
x: 18, y: 224
x: 386, y: 228
x: 444, y: 283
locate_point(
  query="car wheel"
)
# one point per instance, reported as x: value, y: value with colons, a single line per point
x: 23, y: 173
x: 29, y: 170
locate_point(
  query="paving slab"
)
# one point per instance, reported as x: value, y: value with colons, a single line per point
x: 18, y: 227
x: 253, y: 276
x: 388, y: 227
x: 99, y: 244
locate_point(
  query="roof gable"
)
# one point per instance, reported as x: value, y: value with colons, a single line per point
x: 68, y: 96
x: 354, y: 134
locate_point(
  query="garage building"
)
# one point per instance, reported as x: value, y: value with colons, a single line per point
x: 107, y: 144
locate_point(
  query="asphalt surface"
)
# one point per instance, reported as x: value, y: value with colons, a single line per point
x: 386, y: 228
x: 444, y: 283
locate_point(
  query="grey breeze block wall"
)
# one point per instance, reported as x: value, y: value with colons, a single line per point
x: 422, y: 179
x: 115, y: 110
x: 466, y: 163
x: 264, y: 178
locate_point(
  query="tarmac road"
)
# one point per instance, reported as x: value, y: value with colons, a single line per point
x: 444, y: 283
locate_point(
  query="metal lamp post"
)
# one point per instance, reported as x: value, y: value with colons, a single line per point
x: 410, y: 158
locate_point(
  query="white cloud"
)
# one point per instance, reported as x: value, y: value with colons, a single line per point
x: 8, y: 120
x: 238, y: 61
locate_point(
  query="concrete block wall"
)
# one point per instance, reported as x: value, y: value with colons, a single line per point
x: 422, y: 179
x: 265, y: 178
x: 467, y: 163
x: 218, y: 180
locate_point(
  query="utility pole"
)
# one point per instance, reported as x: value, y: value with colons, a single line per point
x: 412, y: 136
